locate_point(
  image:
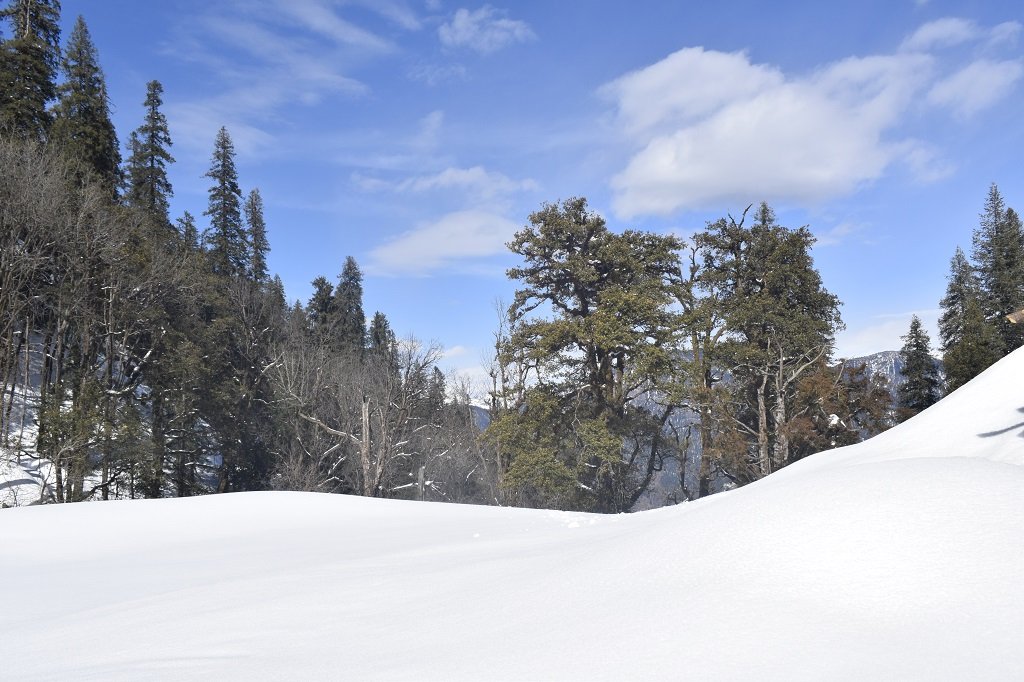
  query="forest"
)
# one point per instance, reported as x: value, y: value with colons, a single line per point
x: 151, y: 355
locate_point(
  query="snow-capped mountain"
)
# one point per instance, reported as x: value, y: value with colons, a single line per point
x: 887, y: 364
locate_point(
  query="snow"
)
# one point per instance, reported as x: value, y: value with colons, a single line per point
x: 899, y: 558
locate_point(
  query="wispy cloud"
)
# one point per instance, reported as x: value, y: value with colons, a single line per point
x: 711, y: 127
x: 941, y: 33
x: 477, y: 181
x: 461, y: 236
x: 977, y: 86
x: 266, y: 57
x: 484, y: 30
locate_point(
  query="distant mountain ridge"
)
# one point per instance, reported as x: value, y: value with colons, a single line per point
x: 888, y: 364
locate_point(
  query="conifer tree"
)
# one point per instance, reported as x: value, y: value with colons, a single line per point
x: 977, y: 347
x: 782, y: 322
x: 999, y: 262
x: 257, y: 236
x: 350, y: 332
x: 82, y: 128
x: 225, y: 238
x: 962, y: 287
x: 28, y: 68
x: 921, y: 387
x: 580, y: 437
x: 320, y: 309
x: 381, y: 338
x: 149, y: 189
x: 188, y: 230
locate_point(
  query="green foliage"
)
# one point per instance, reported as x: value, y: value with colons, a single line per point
x: 226, y: 238
x: 82, y: 128
x: 771, y: 319
x: 257, y: 236
x: 148, y: 187
x: 349, y: 330
x: 607, y: 344
x: 28, y: 68
x: 922, y: 386
x: 999, y: 262
x: 977, y: 347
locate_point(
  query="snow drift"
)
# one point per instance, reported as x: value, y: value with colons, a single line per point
x: 899, y: 558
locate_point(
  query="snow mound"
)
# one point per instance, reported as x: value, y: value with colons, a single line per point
x: 899, y: 558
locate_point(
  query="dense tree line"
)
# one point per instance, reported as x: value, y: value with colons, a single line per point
x: 154, y: 358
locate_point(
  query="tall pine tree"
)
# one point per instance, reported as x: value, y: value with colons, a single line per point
x: 921, y: 387
x: 28, y: 68
x: 350, y: 332
x: 962, y: 287
x: 257, y: 236
x: 82, y: 128
x: 226, y: 238
x: 149, y: 189
x: 999, y: 262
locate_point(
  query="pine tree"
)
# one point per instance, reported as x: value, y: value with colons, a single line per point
x: 999, y: 261
x: 82, y: 128
x: 188, y: 230
x: 962, y: 287
x: 28, y: 68
x: 921, y: 387
x: 350, y: 332
x: 225, y: 238
x: 257, y: 236
x: 320, y: 309
x: 977, y: 347
x: 381, y: 338
x: 149, y: 189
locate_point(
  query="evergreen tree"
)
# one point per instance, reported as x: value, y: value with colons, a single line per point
x: 257, y: 236
x: 82, y: 128
x: 962, y: 287
x: 28, y: 68
x: 149, y: 189
x: 188, y: 230
x: 320, y: 309
x: 977, y: 347
x: 381, y: 339
x: 921, y: 387
x: 781, y: 322
x: 350, y: 332
x: 225, y: 238
x: 581, y: 437
x: 999, y: 262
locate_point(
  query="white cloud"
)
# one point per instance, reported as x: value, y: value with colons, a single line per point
x: 1005, y: 32
x: 455, y: 237
x: 754, y: 133
x: 707, y: 128
x: 941, y: 33
x: 686, y: 85
x: 485, y: 30
x: 484, y: 182
x: 976, y: 86
x: 835, y: 236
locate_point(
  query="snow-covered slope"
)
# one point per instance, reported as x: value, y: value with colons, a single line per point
x: 899, y: 558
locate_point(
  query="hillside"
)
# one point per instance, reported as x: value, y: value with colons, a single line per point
x: 898, y: 558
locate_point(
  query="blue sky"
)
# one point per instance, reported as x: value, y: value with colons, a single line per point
x: 418, y: 136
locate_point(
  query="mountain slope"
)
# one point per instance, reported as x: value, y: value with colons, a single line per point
x: 898, y: 558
